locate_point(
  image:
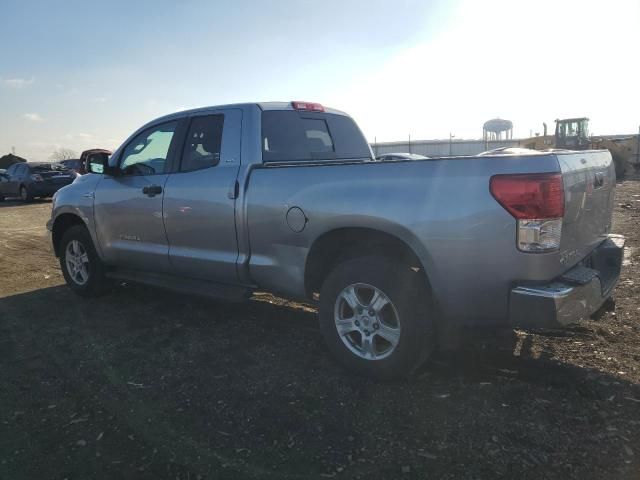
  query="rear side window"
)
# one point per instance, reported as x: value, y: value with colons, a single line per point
x: 48, y: 167
x: 303, y: 136
x: 203, y: 144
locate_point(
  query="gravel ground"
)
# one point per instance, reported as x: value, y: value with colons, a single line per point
x: 145, y: 384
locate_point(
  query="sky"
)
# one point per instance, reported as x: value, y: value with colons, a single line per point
x: 82, y: 74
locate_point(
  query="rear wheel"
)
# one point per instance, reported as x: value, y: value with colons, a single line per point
x: 82, y: 268
x: 376, y: 318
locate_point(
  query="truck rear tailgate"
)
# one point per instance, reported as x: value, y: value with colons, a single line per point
x: 589, y: 187
x: 590, y: 258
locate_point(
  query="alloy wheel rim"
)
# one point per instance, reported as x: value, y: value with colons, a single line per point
x: 367, y: 321
x: 77, y: 262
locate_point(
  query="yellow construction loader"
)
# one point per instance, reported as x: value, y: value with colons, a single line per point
x: 573, y: 134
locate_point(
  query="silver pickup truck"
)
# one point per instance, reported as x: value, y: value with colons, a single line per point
x: 287, y: 198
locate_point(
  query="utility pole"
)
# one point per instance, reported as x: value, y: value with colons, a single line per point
x: 637, y: 162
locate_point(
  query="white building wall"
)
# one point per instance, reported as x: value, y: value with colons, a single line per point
x: 441, y: 148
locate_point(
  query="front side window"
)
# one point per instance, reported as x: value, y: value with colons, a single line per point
x: 203, y: 144
x: 147, y: 153
x: 572, y: 129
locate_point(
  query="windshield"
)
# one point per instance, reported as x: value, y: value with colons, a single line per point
x: 573, y: 128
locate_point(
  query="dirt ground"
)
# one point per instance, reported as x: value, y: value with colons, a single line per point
x: 145, y: 384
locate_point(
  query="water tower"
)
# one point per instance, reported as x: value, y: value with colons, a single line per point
x: 494, y: 129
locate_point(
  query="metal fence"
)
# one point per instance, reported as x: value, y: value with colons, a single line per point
x: 453, y: 147
x: 441, y: 148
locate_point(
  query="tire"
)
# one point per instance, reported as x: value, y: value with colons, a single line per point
x: 389, y: 340
x: 1, y: 198
x: 609, y: 304
x: 76, y: 249
x: 25, y: 196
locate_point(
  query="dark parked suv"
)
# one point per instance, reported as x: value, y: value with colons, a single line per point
x: 34, y: 179
x: 73, y: 164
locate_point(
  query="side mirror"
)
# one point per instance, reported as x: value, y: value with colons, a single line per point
x: 100, y: 164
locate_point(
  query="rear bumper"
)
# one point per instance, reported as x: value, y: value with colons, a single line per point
x: 575, y: 295
x: 45, y: 190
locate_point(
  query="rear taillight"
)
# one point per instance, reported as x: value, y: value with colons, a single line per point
x: 36, y: 178
x: 536, y: 201
x: 308, y: 106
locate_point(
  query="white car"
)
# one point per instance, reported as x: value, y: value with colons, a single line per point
x: 399, y: 156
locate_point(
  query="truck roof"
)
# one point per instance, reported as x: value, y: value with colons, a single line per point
x: 289, y: 106
x: 262, y: 105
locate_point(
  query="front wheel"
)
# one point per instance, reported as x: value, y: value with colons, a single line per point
x: 24, y: 194
x: 376, y: 318
x: 81, y: 266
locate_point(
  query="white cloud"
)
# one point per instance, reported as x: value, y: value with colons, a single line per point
x: 17, y: 82
x: 182, y: 108
x: 33, y: 117
x: 82, y: 137
x: 84, y: 140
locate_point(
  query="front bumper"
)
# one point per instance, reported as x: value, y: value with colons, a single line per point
x: 575, y: 295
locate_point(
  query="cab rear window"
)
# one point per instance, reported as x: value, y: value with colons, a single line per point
x: 305, y: 136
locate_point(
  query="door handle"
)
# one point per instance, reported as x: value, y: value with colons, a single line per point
x: 152, y: 190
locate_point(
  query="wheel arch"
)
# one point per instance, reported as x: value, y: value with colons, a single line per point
x: 345, y: 243
x: 60, y: 225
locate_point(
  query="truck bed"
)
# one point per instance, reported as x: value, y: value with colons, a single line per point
x: 441, y: 208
